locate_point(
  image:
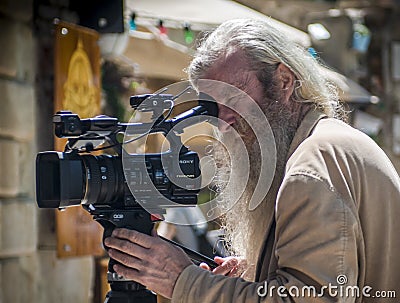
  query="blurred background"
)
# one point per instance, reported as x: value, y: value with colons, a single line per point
x: 90, y: 56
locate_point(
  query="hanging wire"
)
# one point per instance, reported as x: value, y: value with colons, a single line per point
x: 171, y: 107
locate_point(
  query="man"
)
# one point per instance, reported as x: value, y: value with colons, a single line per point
x: 330, y: 218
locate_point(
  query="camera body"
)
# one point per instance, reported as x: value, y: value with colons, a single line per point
x: 79, y: 175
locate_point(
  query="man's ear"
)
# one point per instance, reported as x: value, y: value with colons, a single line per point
x: 285, y: 79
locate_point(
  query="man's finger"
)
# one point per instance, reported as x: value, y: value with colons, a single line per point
x: 127, y: 273
x: 204, y: 266
x: 220, y: 260
x: 226, y: 267
x: 127, y: 246
x: 127, y: 260
x: 134, y: 236
x: 234, y: 272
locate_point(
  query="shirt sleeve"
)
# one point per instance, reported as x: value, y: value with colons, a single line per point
x: 315, y: 248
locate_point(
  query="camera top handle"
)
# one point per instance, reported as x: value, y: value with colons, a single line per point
x: 69, y: 125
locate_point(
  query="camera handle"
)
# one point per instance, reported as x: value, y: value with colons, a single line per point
x: 122, y: 290
x: 128, y: 291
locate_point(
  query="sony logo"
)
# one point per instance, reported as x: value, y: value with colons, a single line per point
x: 185, y: 161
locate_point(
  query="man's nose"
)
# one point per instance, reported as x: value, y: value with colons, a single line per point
x: 228, y: 117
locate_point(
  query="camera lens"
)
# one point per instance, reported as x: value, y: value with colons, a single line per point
x: 67, y: 179
x: 104, y: 179
x: 59, y: 179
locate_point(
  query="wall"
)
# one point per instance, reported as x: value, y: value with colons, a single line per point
x: 29, y: 268
x: 18, y: 237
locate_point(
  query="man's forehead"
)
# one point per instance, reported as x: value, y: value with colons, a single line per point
x: 220, y: 90
x: 228, y: 65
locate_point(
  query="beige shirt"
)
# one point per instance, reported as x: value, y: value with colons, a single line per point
x: 334, y: 234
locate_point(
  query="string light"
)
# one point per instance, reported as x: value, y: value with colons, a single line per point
x: 313, y: 52
x: 189, y: 35
x: 132, y: 24
x: 162, y: 28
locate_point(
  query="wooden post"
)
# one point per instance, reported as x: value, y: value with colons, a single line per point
x: 77, y: 88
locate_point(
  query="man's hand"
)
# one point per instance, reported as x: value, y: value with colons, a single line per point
x: 229, y: 266
x: 147, y: 260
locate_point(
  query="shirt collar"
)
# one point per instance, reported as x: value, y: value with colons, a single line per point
x: 305, y: 129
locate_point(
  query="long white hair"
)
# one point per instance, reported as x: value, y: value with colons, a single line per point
x: 265, y: 47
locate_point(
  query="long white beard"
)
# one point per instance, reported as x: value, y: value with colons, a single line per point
x: 244, y: 229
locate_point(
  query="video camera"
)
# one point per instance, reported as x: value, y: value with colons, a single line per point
x: 76, y: 176
x: 123, y: 189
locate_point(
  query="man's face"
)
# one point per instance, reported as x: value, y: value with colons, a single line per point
x: 232, y: 104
